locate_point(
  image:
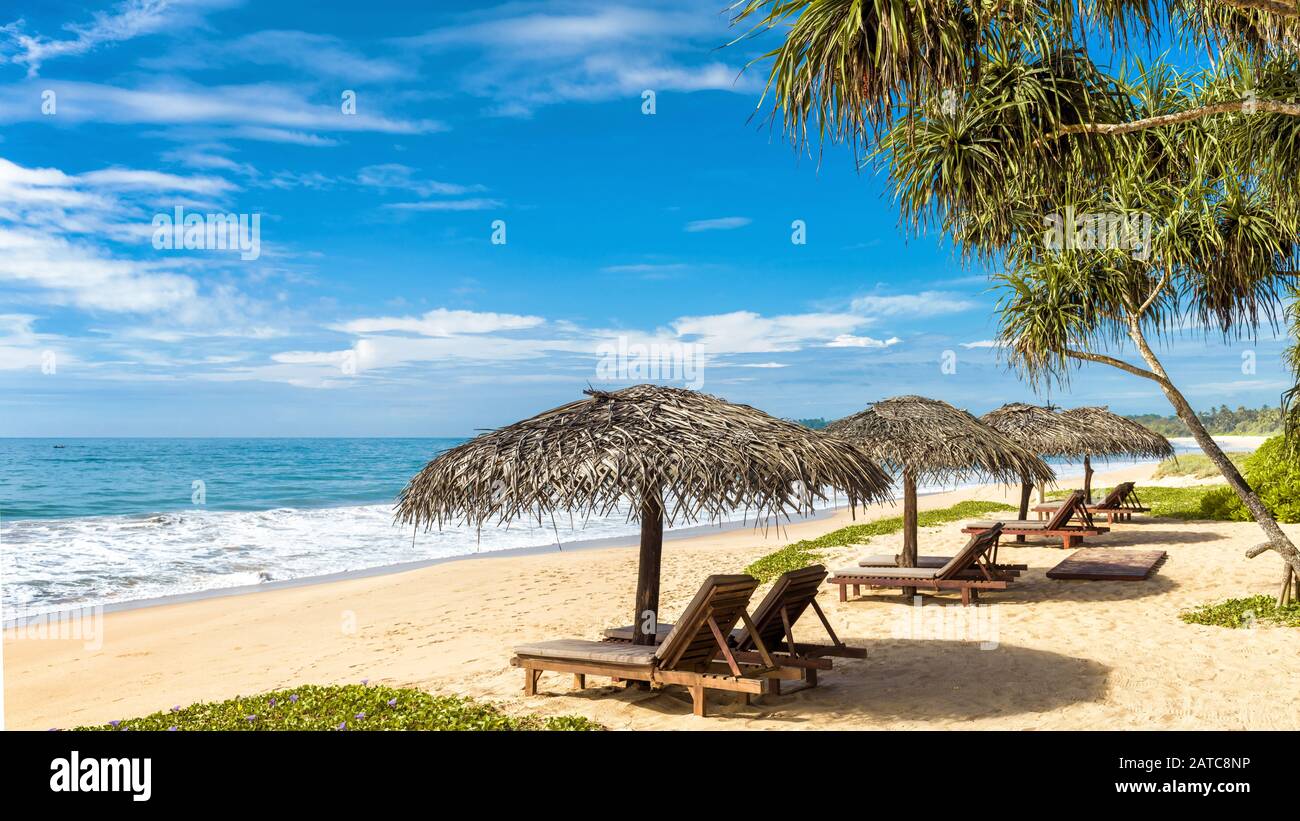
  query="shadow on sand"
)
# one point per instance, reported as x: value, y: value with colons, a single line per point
x: 901, y: 680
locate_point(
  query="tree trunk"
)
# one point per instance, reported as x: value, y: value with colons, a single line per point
x: 908, y: 558
x: 1026, y: 492
x: 1277, y: 540
x: 645, y: 621
x: 1087, y: 479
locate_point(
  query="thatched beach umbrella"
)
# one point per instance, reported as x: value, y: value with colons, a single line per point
x: 1044, y: 431
x: 672, y: 455
x: 926, y: 439
x: 1113, y: 435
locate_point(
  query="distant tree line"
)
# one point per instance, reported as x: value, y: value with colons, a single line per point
x: 815, y: 424
x: 1221, y: 421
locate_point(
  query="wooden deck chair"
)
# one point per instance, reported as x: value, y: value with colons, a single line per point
x: 934, y: 562
x: 688, y: 655
x: 969, y: 572
x: 1057, y: 527
x: 1118, y: 506
x: 774, y: 619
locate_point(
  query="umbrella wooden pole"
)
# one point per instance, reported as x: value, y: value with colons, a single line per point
x: 1026, y: 492
x: 645, y: 621
x: 908, y: 559
x: 1087, y: 478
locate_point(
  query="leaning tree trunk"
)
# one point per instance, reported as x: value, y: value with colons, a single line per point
x: 908, y: 557
x: 1277, y: 539
x: 645, y: 621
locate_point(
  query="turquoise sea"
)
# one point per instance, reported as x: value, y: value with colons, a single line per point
x: 97, y: 521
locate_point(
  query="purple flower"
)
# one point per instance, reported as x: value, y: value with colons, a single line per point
x: 172, y: 729
x: 364, y: 682
x: 272, y: 702
x: 176, y: 709
x: 360, y: 716
x: 343, y: 725
x: 294, y: 698
x: 115, y: 723
x: 392, y: 702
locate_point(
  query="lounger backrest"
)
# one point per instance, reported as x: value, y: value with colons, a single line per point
x: 691, y: 644
x: 978, y: 545
x: 794, y: 591
x: 1072, y: 505
x: 1116, y: 497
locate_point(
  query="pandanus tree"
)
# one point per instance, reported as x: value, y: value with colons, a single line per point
x: 1125, y: 205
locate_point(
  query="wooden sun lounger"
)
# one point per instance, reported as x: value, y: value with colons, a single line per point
x: 969, y: 572
x: 774, y: 619
x: 1118, y: 506
x: 1011, y: 571
x: 688, y: 655
x: 1057, y: 527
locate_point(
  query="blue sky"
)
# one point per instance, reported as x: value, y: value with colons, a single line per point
x: 378, y: 303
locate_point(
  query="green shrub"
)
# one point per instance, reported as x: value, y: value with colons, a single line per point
x: 1222, y: 503
x: 1274, y: 473
x: 1237, y: 613
x: 348, y: 707
x: 1197, y: 465
x: 1204, y: 502
x: 811, y: 551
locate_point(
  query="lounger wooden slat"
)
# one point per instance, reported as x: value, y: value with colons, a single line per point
x: 968, y: 572
x: 932, y: 562
x: 1057, y: 527
x: 694, y: 653
x: 789, y: 599
x: 1118, y: 506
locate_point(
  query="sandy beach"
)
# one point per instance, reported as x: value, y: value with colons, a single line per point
x: 1043, y: 655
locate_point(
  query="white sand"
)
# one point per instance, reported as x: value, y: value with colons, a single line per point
x: 1069, y: 655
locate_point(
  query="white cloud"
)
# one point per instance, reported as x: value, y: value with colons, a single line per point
x: 441, y: 322
x: 748, y: 332
x: 646, y: 269
x: 22, y: 347
x: 127, y: 179
x: 924, y: 304
x: 851, y: 341
x: 82, y: 275
x: 262, y: 111
x: 403, y: 178
x: 524, y: 57
x: 126, y: 20
x: 719, y: 224
x: 316, y: 55
x: 474, y: 204
x: 984, y: 343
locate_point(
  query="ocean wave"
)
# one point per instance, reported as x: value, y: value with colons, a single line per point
x: 51, y: 564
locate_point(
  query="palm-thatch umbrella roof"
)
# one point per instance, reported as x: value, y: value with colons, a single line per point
x: 1044, y: 431
x: 1041, y: 429
x: 933, y: 440
x: 924, y: 438
x: 1113, y: 435
x: 670, y: 454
